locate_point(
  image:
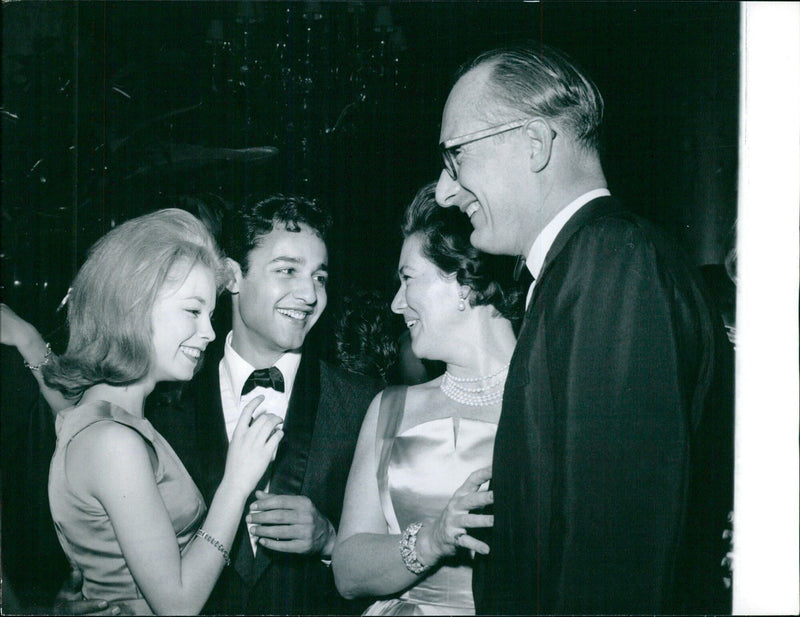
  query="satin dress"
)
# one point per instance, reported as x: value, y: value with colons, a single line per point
x: 82, y: 524
x: 418, y: 472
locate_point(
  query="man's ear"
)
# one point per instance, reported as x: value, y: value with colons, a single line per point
x: 540, y: 137
x: 235, y: 275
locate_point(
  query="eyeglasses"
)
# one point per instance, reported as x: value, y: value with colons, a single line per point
x: 449, y: 148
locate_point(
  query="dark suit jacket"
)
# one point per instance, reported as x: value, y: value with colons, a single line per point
x: 613, y: 457
x: 320, y: 432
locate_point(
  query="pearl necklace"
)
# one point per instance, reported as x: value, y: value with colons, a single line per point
x: 488, y: 392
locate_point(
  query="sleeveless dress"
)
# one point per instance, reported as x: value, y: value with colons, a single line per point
x: 81, y: 522
x: 418, y: 472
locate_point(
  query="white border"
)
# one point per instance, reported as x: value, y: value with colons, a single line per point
x: 765, y: 559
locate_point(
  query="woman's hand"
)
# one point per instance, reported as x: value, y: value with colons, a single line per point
x: 449, y: 532
x: 19, y: 333
x: 34, y: 350
x: 253, y: 446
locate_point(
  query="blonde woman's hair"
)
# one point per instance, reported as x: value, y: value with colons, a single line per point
x: 111, y: 298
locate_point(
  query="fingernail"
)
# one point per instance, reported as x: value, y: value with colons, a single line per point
x: 115, y: 610
x: 248, y: 518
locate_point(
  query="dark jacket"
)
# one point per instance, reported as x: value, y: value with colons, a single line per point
x: 321, y: 427
x: 613, y: 462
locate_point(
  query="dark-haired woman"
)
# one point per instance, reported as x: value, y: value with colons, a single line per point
x: 421, y: 467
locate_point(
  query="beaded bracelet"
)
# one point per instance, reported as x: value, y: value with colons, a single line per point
x: 44, y: 362
x: 408, y: 549
x: 200, y: 533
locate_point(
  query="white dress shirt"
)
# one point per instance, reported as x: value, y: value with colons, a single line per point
x: 233, y: 372
x: 548, y: 235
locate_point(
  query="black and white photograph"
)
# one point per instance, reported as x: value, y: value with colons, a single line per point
x: 394, y: 308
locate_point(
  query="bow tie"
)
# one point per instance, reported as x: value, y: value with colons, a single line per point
x: 266, y: 378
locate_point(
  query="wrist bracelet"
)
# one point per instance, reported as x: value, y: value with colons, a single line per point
x: 408, y: 549
x: 200, y: 533
x: 44, y: 362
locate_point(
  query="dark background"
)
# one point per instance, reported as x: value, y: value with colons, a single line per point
x: 113, y: 109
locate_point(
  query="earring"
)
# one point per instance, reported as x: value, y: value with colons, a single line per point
x: 461, y: 305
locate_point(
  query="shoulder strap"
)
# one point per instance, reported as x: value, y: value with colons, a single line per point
x: 393, y: 400
x: 390, y: 414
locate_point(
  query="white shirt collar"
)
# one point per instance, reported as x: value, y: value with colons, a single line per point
x: 239, y: 369
x: 234, y: 371
x: 547, y: 236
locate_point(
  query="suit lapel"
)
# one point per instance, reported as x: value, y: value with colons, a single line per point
x: 212, y: 438
x: 289, y: 470
x: 290, y: 462
x: 212, y: 442
x: 591, y: 211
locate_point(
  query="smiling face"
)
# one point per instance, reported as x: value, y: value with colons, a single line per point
x: 493, y: 183
x: 181, y: 322
x: 282, y: 295
x: 427, y: 300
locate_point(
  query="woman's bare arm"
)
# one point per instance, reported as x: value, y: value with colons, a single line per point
x: 21, y: 334
x: 113, y: 463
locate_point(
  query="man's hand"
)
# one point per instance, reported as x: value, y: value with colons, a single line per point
x: 290, y: 524
x: 69, y: 600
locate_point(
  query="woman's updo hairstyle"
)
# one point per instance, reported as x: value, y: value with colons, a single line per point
x: 112, y: 296
x: 445, y: 236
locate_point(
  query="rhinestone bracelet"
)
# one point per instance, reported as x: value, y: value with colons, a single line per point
x: 200, y: 533
x: 408, y: 549
x: 45, y: 361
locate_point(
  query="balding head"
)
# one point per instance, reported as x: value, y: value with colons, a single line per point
x: 540, y: 81
x: 519, y: 138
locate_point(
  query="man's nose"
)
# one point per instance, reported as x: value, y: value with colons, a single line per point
x: 448, y: 191
x: 305, y: 290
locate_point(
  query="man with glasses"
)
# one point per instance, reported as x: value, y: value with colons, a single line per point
x: 613, y: 458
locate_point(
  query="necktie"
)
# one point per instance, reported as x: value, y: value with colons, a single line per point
x: 266, y: 378
x: 522, y: 275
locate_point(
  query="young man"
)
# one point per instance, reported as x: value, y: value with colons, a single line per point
x: 279, y: 259
x: 612, y: 471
